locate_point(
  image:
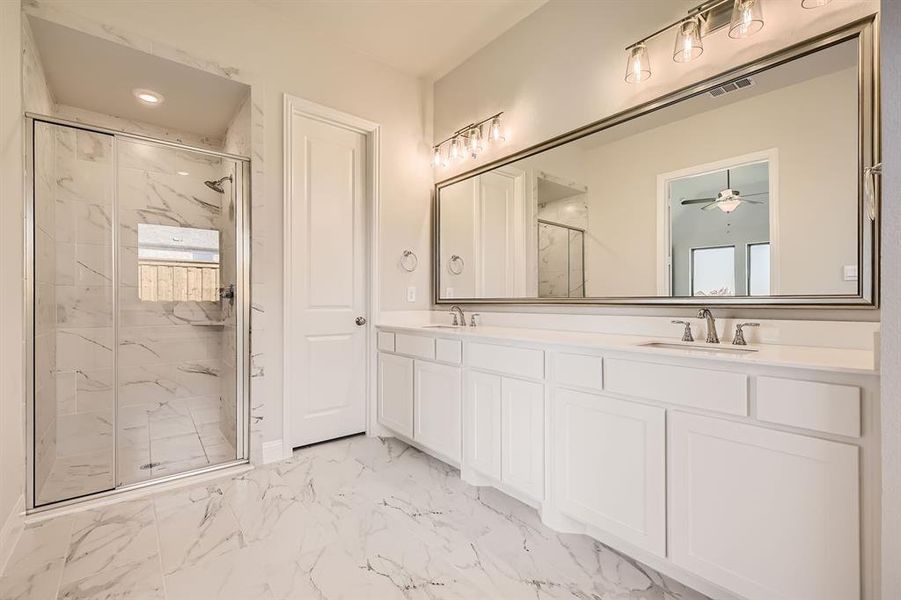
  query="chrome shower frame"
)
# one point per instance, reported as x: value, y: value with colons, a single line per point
x: 241, y: 191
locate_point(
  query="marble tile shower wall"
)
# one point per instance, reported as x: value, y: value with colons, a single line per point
x: 560, y: 268
x: 78, y: 183
x: 170, y: 376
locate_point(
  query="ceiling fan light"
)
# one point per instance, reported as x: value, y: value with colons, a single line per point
x: 727, y: 206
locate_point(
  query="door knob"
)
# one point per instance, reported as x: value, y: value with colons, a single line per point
x: 360, y: 321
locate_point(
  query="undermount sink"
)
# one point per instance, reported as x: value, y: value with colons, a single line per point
x: 699, y: 347
x: 444, y: 326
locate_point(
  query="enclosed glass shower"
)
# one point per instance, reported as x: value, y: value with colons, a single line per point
x: 139, y: 318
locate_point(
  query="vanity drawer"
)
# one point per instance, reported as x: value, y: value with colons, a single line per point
x: 525, y: 362
x: 450, y: 351
x: 827, y: 407
x: 415, y: 345
x: 386, y: 341
x: 579, y: 370
x: 721, y: 391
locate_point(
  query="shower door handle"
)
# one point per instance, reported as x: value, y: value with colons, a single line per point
x: 227, y: 292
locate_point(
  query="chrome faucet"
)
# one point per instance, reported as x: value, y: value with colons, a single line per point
x: 456, y: 310
x: 712, y: 337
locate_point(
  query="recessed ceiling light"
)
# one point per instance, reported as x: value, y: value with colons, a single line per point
x: 182, y: 172
x: 148, y: 97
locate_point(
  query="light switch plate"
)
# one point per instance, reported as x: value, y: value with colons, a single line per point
x: 411, y: 294
x: 849, y: 272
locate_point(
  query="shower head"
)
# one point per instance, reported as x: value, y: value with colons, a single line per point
x: 216, y: 186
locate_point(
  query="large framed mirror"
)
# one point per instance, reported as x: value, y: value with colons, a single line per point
x: 746, y: 189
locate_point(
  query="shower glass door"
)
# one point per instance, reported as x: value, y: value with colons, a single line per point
x: 137, y: 312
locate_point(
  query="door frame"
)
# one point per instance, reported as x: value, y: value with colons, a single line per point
x: 296, y: 106
x: 664, y: 257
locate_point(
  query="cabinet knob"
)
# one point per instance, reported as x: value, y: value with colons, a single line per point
x: 360, y: 321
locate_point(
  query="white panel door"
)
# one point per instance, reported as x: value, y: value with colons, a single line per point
x: 327, y: 287
x: 522, y: 436
x: 437, y: 408
x: 482, y: 424
x: 767, y: 514
x: 610, y: 472
x: 497, y: 235
x: 395, y: 393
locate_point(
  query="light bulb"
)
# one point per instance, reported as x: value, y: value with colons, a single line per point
x: 688, y: 41
x: 436, y: 156
x: 638, y: 67
x: 747, y: 18
x: 475, y: 141
x: 456, y: 149
x: 495, y: 134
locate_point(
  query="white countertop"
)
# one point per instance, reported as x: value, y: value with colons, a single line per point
x: 800, y: 357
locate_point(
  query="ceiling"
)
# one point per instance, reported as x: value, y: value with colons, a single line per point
x: 195, y: 101
x: 423, y: 38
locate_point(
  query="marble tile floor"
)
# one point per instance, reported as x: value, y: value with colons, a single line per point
x: 354, y: 518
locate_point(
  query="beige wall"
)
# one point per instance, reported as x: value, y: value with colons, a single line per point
x: 817, y: 191
x: 12, y: 376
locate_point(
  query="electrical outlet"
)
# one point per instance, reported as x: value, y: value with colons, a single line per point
x: 411, y: 294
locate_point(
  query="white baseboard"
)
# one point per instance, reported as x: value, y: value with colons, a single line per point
x: 12, y: 529
x: 274, y: 451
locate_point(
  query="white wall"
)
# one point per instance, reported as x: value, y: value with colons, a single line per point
x: 891, y: 299
x: 12, y: 376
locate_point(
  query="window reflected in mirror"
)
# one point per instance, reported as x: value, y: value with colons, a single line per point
x: 177, y: 264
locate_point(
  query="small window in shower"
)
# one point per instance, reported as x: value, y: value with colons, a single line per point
x: 177, y: 264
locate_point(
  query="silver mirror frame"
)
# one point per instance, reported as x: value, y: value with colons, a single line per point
x: 865, y: 31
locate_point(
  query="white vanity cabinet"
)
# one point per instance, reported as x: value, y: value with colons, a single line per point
x: 437, y: 391
x: 745, y: 481
x: 504, y: 431
x: 419, y: 398
x: 395, y: 393
x: 768, y: 514
x: 610, y: 466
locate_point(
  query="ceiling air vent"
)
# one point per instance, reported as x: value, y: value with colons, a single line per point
x: 731, y: 86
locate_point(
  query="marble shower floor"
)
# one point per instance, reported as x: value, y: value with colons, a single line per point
x: 355, y: 518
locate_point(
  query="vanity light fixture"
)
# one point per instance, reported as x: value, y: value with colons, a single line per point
x: 747, y: 18
x: 743, y: 18
x: 468, y: 141
x: 688, y: 41
x: 148, y: 97
x: 638, y: 67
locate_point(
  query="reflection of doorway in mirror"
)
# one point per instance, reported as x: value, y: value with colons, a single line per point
x: 715, y: 212
x: 562, y: 219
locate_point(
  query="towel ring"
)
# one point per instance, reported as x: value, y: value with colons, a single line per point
x: 454, y: 260
x: 409, y: 261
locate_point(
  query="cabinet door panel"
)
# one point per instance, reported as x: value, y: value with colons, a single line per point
x: 482, y: 423
x: 522, y: 436
x: 437, y: 406
x: 610, y: 459
x: 767, y: 514
x: 396, y: 393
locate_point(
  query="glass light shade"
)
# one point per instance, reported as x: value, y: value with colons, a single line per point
x: 728, y: 206
x: 475, y: 141
x: 688, y: 41
x: 456, y: 151
x: 436, y: 156
x: 814, y: 3
x: 638, y: 67
x: 495, y: 133
x: 747, y: 18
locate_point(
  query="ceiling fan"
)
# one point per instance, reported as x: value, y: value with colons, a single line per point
x: 726, y: 200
